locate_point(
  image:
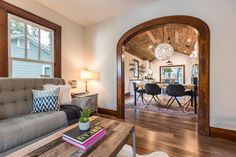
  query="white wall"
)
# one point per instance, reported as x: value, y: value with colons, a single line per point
x: 220, y: 15
x: 72, y: 38
x: 129, y: 75
x: 177, y: 59
x: 101, y: 41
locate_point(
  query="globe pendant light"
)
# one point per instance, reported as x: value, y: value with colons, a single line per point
x: 164, y: 51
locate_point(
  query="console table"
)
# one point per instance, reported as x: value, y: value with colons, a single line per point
x: 93, y: 100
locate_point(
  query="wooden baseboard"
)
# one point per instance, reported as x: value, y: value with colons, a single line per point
x: 107, y: 111
x: 223, y: 133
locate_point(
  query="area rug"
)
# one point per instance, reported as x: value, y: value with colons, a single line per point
x: 174, y: 109
x: 127, y: 151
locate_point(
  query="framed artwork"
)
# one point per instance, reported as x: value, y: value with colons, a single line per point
x: 172, y: 74
x: 136, y: 68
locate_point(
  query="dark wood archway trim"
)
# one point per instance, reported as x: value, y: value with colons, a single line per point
x: 6, y: 8
x: 204, y: 63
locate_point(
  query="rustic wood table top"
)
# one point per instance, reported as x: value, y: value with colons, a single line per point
x: 118, y: 134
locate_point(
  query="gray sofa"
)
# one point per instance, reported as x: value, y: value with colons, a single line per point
x: 17, y: 124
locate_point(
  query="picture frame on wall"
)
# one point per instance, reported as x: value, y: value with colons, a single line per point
x: 173, y: 74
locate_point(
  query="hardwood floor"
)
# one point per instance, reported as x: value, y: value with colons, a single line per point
x: 177, y: 137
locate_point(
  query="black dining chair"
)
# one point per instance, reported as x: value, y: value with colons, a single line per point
x: 193, y: 93
x: 154, y: 90
x: 175, y: 91
x: 141, y: 93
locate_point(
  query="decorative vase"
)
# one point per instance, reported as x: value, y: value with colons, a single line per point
x: 84, y: 126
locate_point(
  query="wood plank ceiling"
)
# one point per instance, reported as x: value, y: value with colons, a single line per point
x: 182, y: 37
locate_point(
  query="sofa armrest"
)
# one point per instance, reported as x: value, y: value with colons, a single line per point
x: 81, y: 102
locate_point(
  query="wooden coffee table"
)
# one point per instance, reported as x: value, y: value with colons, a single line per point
x: 118, y: 134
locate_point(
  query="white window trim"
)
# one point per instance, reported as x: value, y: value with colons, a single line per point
x: 11, y: 59
x: 46, y: 66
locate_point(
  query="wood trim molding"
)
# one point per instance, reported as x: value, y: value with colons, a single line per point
x: 57, y: 53
x: 107, y: 111
x: 3, y: 44
x: 204, y: 63
x: 223, y: 133
x: 6, y: 8
x: 27, y: 15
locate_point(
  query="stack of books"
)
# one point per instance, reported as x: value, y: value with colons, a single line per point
x: 84, y: 139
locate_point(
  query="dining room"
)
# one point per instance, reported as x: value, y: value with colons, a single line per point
x: 162, y: 71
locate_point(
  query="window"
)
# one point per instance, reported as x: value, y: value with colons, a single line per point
x: 21, y: 43
x: 46, y: 71
x: 31, y: 52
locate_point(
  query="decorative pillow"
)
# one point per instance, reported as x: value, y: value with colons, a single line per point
x: 81, y: 102
x: 45, y: 100
x: 64, y: 95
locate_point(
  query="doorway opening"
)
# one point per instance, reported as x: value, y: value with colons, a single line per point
x: 203, y: 43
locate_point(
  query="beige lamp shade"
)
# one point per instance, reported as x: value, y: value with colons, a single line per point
x: 89, y: 75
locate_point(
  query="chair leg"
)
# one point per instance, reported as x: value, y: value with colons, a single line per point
x: 157, y: 102
x: 187, y: 104
x: 192, y: 101
x: 143, y: 99
x: 149, y: 102
x: 170, y: 103
x: 138, y: 97
x: 181, y: 107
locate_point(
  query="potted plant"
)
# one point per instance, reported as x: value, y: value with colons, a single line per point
x: 84, y: 123
x: 168, y: 71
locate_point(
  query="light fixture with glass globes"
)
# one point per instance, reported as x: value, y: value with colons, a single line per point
x: 191, y: 56
x: 164, y: 51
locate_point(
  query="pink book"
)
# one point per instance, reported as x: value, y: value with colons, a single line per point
x: 89, y: 143
x: 82, y: 147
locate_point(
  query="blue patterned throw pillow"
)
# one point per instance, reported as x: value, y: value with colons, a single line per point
x: 45, y: 100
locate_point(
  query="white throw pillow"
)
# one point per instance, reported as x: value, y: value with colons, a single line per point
x: 64, y: 95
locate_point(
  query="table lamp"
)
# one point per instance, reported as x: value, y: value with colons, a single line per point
x: 88, y: 75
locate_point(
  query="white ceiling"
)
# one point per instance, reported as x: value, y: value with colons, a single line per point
x: 90, y: 12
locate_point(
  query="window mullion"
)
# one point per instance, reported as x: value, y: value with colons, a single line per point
x: 52, y: 46
x: 26, y: 41
x: 52, y: 54
x: 39, y: 50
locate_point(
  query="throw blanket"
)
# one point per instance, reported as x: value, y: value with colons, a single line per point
x: 72, y: 111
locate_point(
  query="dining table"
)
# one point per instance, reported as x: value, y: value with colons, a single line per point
x: 191, y: 87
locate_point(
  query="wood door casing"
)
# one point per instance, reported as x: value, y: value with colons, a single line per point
x: 204, y: 63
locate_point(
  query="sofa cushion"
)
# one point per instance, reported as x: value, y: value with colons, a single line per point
x: 19, y: 130
x: 64, y: 94
x: 16, y: 94
x: 45, y: 100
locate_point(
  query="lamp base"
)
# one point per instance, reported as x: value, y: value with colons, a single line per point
x: 86, y: 87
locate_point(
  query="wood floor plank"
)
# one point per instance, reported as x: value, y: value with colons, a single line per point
x: 178, y: 137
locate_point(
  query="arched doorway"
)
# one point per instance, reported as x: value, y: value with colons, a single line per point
x: 204, y: 66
